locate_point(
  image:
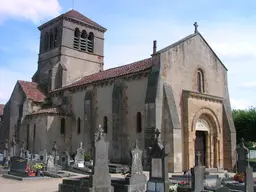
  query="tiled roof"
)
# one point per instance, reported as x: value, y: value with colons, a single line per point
x: 53, y: 110
x: 32, y: 91
x: 1, y: 109
x: 111, y: 73
x: 76, y: 15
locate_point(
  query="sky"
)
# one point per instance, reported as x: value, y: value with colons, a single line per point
x: 228, y: 26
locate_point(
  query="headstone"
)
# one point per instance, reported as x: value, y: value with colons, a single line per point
x: 13, y: 146
x: 55, y: 152
x: 22, y: 150
x: 158, y: 175
x: 249, y: 181
x: 222, y: 189
x: 65, y: 160
x: 50, y: 166
x: 6, y: 154
x: 198, y: 173
x: 43, y: 156
x: 79, y: 158
x: 100, y: 180
x: 242, y: 157
x: 136, y: 179
x: 18, y: 165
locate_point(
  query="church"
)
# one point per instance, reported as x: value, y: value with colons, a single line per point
x: 181, y: 90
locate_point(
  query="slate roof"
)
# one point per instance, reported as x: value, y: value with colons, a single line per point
x: 50, y: 111
x: 1, y: 109
x: 135, y: 67
x: 32, y: 91
x: 77, y: 16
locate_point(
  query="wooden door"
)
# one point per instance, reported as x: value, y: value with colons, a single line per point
x: 200, y: 146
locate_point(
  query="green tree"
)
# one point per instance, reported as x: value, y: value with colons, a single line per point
x: 245, y: 124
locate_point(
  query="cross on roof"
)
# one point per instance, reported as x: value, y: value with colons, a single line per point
x: 157, y: 133
x: 196, y: 26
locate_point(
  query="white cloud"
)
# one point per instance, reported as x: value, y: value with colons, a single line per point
x: 34, y: 10
x: 240, y: 104
x: 249, y: 84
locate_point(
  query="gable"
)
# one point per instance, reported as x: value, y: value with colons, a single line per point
x: 187, y: 39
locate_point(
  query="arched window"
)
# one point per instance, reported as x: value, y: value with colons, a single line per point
x: 62, y: 126
x: 105, y: 124
x: 50, y: 80
x: 78, y: 126
x: 200, y: 81
x: 55, y: 37
x: 51, y: 39
x: 46, y: 41
x: 83, y: 40
x: 90, y: 44
x: 139, y: 125
x: 76, y: 38
x: 58, y: 77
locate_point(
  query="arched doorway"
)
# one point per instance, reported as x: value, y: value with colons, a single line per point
x: 202, y: 131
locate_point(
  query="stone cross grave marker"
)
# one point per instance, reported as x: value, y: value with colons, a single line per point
x: 22, y: 150
x: 198, y: 173
x: 50, y: 166
x: 79, y: 158
x: 136, y: 179
x: 242, y: 155
x: 100, y: 179
x: 13, y: 146
x: 55, y: 152
x: 65, y: 160
x: 43, y: 156
x: 6, y: 153
x: 158, y: 175
x: 249, y: 181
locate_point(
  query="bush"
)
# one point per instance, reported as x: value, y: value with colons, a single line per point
x: 87, y: 157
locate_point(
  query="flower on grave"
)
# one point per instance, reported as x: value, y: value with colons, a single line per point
x: 239, y: 177
x: 173, y: 188
x: 183, y: 183
x: 38, y: 166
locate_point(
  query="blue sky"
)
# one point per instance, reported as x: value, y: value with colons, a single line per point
x: 132, y: 26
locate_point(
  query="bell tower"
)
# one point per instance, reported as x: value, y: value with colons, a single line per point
x: 71, y: 47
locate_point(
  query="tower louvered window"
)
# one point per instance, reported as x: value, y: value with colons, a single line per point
x: 90, y: 43
x: 83, y: 41
x: 76, y: 38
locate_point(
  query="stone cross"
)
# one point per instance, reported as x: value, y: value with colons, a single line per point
x: 136, y: 167
x: 157, y: 133
x: 54, y: 151
x: 13, y: 144
x: 101, y: 131
x: 196, y: 26
x: 81, y: 144
x: 198, y: 154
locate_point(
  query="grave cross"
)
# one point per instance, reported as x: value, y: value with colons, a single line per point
x: 81, y: 144
x: 196, y: 26
x: 157, y: 133
x: 198, y: 154
x: 101, y: 132
x: 136, y: 144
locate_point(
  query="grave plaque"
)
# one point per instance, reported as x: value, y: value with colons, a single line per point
x: 156, y: 168
x: 159, y: 187
x: 151, y: 186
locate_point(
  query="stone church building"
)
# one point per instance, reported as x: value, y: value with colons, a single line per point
x: 182, y: 90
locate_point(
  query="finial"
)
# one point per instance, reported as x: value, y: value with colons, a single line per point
x: 136, y: 143
x: 157, y: 133
x: 196, y: 26
x: 198, y: 158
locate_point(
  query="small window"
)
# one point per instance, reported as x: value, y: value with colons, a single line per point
x: 62, y: 126
x: 200, y: 81
x: 51, y: 39
x: 139, y: 126
x: 55, y: 37
x: 90, y: 44
x: 105, y: 124
x: 78, y: 126
x: 83, y: 40
x: 46, y: 41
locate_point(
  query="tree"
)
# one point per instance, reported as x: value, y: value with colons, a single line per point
x: 245, y: 124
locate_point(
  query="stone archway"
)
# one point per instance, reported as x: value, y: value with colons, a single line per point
x: 205, y: 124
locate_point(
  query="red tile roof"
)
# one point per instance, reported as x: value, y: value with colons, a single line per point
x: 1, y: 109
x: 76, y: 15
x: 111, y: 73
x: 32, y: 91
x: 53, y: 110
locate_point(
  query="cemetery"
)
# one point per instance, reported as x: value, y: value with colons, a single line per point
x: 83, y: 174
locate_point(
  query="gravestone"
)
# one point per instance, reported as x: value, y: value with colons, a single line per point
x: 249, y: 181
x: 198, y: 173
x: 136, y: 179
x: 65, y: 160
x: 6, y: 154
x: 18, y: 166
x: 22, y: 150
x: 50, y: 165
x: 242, y: 157
x: 79, y: 158
x: 13, y: 146
x: 158, y: 175
x: 100, y: 180
x: 55, y: 152
x: 43, y: 156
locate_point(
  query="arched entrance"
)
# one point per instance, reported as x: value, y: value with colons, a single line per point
x: 202, y: 130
